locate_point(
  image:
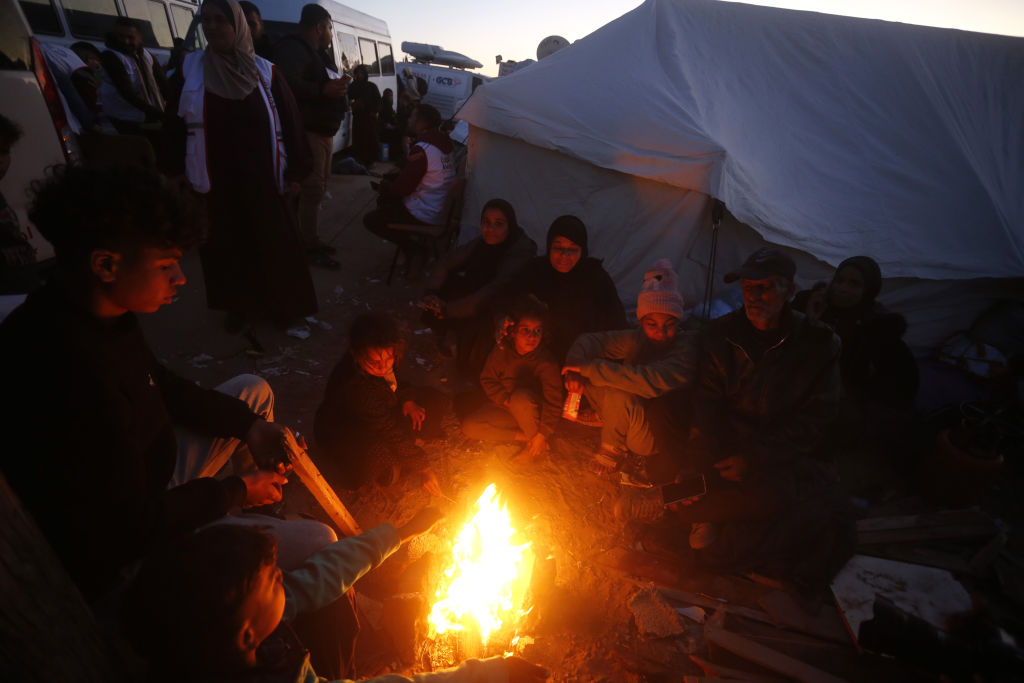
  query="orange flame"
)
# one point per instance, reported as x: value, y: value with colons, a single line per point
x: 484, y: 586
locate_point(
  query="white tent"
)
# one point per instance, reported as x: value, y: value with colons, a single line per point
x: 830, y: 136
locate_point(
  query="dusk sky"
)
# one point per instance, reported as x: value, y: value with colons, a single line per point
x: 482, y: 29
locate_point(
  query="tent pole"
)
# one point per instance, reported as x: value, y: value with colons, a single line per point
x: 717, y: 209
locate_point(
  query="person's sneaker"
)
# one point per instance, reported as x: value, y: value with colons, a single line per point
x: 609, y: 459
x: 702, y: 534
x: 640, y: 506
x: 588, y: 417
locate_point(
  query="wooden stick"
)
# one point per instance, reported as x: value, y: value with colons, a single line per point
x: 707, y: 602
x: 311, y: 478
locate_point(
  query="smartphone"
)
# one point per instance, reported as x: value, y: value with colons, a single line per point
x: 690, y: 486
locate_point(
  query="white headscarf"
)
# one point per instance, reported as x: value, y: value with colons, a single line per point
x: 233, y: 75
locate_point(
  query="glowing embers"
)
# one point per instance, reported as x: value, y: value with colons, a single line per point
x: 483, y: 587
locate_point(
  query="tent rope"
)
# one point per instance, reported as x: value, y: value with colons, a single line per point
x: 709, y: 285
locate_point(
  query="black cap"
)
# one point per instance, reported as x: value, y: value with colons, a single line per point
x: 764, y: 263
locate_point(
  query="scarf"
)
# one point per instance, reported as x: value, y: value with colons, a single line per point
x: 232, y: 76
x: 485, y: 259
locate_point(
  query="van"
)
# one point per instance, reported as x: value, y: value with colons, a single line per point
x: 68, y: 21
x: 358, y: 39
x: 447, y: 88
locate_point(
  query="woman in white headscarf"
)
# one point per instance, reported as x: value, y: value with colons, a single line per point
x: 233, y: 130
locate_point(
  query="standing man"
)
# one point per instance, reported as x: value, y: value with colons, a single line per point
x: 260, y: 39
x: 302, y: 57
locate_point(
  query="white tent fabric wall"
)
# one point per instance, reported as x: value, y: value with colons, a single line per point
x: 831, y: 135
x: 621, y: 212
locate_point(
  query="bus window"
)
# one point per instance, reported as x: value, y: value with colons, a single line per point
x: 14, y: 40
x: 42, y: 17
x: 158, y: 22
x: 387, y: 61
x: 90, y: 18
x: 368, y: 51
x: 182, y: 18
x: 346, y: 49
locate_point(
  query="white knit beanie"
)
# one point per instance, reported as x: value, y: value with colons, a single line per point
x: 660, y: 292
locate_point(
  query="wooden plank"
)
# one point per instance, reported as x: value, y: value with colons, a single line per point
x: 942, y: 518
x: 311, y: 478
x: 786, y: 612
x: 926, y: 527
x: 917, y: 554
x: 713, y: 670
x: 769, y: 658
x: 928, y: 533
x: 707, y: 602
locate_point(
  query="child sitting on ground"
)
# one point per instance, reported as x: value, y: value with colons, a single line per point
x: 216, y: 607
x: 366, y: 423
x: 522, y: 382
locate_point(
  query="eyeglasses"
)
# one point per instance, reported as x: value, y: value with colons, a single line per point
x: 528, y: 332
x: 567, y: 251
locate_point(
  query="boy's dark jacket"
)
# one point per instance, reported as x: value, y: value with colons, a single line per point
x: 88, y: 415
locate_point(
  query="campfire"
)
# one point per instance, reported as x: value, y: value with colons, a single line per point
x: 480, y: 600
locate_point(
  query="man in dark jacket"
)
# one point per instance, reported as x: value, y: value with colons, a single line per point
x: 302, y: 58
x: 767, y: 389
x: 97, y: 428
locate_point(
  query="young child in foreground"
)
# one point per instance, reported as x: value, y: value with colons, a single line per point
x: 369, y: 421
x: 522, y: 382
x: 215, y: 607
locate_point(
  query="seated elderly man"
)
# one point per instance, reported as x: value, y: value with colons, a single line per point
x: 620, y: 371
x: 766, y: 389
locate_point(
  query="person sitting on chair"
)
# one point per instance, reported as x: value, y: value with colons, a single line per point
x: 417, y: 194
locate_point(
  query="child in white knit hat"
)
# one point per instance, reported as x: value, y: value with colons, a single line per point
x: 619, y: 371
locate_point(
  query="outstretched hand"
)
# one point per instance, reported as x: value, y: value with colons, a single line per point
x: 521, y: 671
x: 733, y: 468
x: 422, y: 522
x: 416, y: 413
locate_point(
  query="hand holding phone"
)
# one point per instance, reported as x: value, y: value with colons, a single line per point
x: 689, y: 487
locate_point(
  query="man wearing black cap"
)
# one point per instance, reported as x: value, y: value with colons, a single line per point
x: 767, y: 387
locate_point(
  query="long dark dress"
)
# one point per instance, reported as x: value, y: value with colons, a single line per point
x: 253, y: 260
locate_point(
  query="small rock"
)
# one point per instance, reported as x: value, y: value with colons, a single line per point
x: 303, y: 372
x: 298, y: 332
x: 423, y: 331
x: 273, y: 372
x: 654, y: 616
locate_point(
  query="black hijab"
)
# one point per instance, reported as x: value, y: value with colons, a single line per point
x: 484, y: 260
x: 872, y: 273
x: 571, y: 228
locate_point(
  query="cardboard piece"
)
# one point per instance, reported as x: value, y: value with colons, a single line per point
x: 926, y: 592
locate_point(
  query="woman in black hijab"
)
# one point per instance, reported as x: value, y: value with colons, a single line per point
x: 580, y: 295
x: 876, y: 366
x: 461, y: 288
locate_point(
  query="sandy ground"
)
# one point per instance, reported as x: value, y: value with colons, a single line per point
x: 589, y: 624
x: 561, y: 508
